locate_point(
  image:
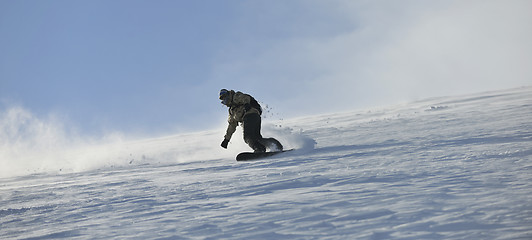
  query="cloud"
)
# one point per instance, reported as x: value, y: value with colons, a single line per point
x: 387, y: 52
x: 464, y: 47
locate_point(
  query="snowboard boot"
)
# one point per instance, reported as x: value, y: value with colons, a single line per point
x: 255, y: 144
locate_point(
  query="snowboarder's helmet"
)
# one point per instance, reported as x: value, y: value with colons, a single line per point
x: 225, y: 96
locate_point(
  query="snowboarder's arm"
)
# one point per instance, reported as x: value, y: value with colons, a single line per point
x: 244, y: 100
x: 231, y: 128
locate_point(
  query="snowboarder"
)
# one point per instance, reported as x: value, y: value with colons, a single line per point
x: 244, y: 109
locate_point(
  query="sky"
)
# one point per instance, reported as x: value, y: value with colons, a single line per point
x: 157, y: 66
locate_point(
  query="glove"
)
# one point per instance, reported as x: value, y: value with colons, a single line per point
x: 224, y: 143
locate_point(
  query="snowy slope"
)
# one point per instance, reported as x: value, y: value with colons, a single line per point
x: 442, y: 168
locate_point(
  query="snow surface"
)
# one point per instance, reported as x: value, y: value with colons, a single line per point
x: 441, y: 168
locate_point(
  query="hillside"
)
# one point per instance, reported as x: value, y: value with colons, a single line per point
x: 443, y: 168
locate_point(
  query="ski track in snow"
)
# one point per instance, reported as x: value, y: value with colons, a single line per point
x: 442, y: 168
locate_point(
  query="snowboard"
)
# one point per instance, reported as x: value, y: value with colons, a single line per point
x: 247, y: 156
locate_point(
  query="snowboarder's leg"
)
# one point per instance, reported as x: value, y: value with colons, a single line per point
x: 252, y: 134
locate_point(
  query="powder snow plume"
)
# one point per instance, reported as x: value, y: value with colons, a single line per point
x: 31, y: 144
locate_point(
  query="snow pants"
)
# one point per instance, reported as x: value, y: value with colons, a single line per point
x: 253, y: 137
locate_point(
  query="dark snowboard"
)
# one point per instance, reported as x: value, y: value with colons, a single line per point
x: 247, y: 156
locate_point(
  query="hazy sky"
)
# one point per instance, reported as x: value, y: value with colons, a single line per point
x: 157, y: 66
